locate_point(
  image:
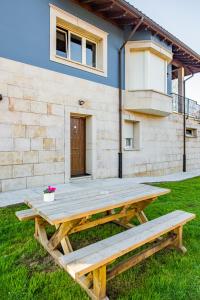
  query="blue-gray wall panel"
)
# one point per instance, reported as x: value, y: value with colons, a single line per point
x: 24, y: 36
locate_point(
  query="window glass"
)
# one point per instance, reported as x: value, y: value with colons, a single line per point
x: 76, y: 48
x: 91, y: 54
x: 189, y: 132
x: 61, y: 46
x: 129, y: 143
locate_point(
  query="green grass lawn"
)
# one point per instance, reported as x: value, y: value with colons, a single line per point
x: 28, y: 272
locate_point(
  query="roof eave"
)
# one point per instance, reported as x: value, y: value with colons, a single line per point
x: 120, y: 12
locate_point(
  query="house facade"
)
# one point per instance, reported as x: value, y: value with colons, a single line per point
x: 72, y: 106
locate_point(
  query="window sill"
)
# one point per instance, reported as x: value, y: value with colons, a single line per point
x: 74, y: 64
x: 132, y: 149
x: 190, y: 136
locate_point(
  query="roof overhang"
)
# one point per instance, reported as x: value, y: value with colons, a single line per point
x: 123, y: 14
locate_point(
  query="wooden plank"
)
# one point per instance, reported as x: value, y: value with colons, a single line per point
x: 114, y: 247
x: 125, y: 225
x: 90, y: 208
x: 136, y: 259
x: 77, y: 202
x: 80, y: 199
x: 41, y: 236
x: 101, y: 203
x: 99, y: 282
x: 60, y: 234
x: 141, y: 217
x: 84, y: 284
x: 100, y: 221
x: 58, y: 206
x: 27, y: 214
x: 65, y: 243
x: 81, y: 193
x: 112, y: 240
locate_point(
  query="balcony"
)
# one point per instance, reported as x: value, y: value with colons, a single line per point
x: 192, y: 108
x: 148, y: 102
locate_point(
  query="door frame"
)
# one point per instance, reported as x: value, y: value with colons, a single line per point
x: 91, y: 154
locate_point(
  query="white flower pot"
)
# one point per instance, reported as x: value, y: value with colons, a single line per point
x: 49, y: 197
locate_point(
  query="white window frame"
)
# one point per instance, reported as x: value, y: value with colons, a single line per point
x: 100, y: 39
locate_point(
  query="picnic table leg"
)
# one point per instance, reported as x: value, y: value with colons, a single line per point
x: 138, y: 212
x: 142, y: 218
x: 41, y: 236
x: 65, y: 243
x: 99, y: 283
x: 94, y: 284
x: 124, y: 222
x: 61, y: 236
x: 179, y: 240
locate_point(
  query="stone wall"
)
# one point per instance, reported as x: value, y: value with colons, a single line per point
x: 35, y: 130
x: 161, y: 149
x: 35, y: 125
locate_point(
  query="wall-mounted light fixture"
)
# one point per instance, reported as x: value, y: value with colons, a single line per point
x: 81, y: 102
x: 1, y: 97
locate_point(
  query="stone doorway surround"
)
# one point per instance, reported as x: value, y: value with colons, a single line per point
x: 90, y: 142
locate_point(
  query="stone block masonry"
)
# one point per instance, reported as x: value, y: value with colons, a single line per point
x: 35, y: 130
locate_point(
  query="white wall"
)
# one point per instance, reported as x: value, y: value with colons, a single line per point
x: 157, y: 73
x: 146, y: 66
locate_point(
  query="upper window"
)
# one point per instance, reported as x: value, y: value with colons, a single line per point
x: 77, y: 43
x: 75, y: 48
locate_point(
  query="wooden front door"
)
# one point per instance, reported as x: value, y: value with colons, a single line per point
x: 78, y: 146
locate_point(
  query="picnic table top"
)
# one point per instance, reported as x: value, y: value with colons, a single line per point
x: 83, y: 202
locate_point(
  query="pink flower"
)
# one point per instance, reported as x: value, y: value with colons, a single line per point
x: 51, y: 189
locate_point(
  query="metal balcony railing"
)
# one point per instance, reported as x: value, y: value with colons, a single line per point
x: 192, y: 108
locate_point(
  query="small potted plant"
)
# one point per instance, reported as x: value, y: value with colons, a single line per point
x: 49, y: 194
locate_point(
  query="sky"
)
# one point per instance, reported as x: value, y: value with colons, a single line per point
x: 182, y: 19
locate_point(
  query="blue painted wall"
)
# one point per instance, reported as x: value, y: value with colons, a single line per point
x: 24, y: 36
x: 147, y: 35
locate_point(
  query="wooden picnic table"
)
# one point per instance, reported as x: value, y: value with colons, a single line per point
x: 72, y: 211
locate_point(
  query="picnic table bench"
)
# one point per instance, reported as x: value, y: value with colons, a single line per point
x: 71, y: 213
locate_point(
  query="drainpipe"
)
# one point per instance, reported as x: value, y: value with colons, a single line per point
x: 184, y: 123
x: 120, y: 161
